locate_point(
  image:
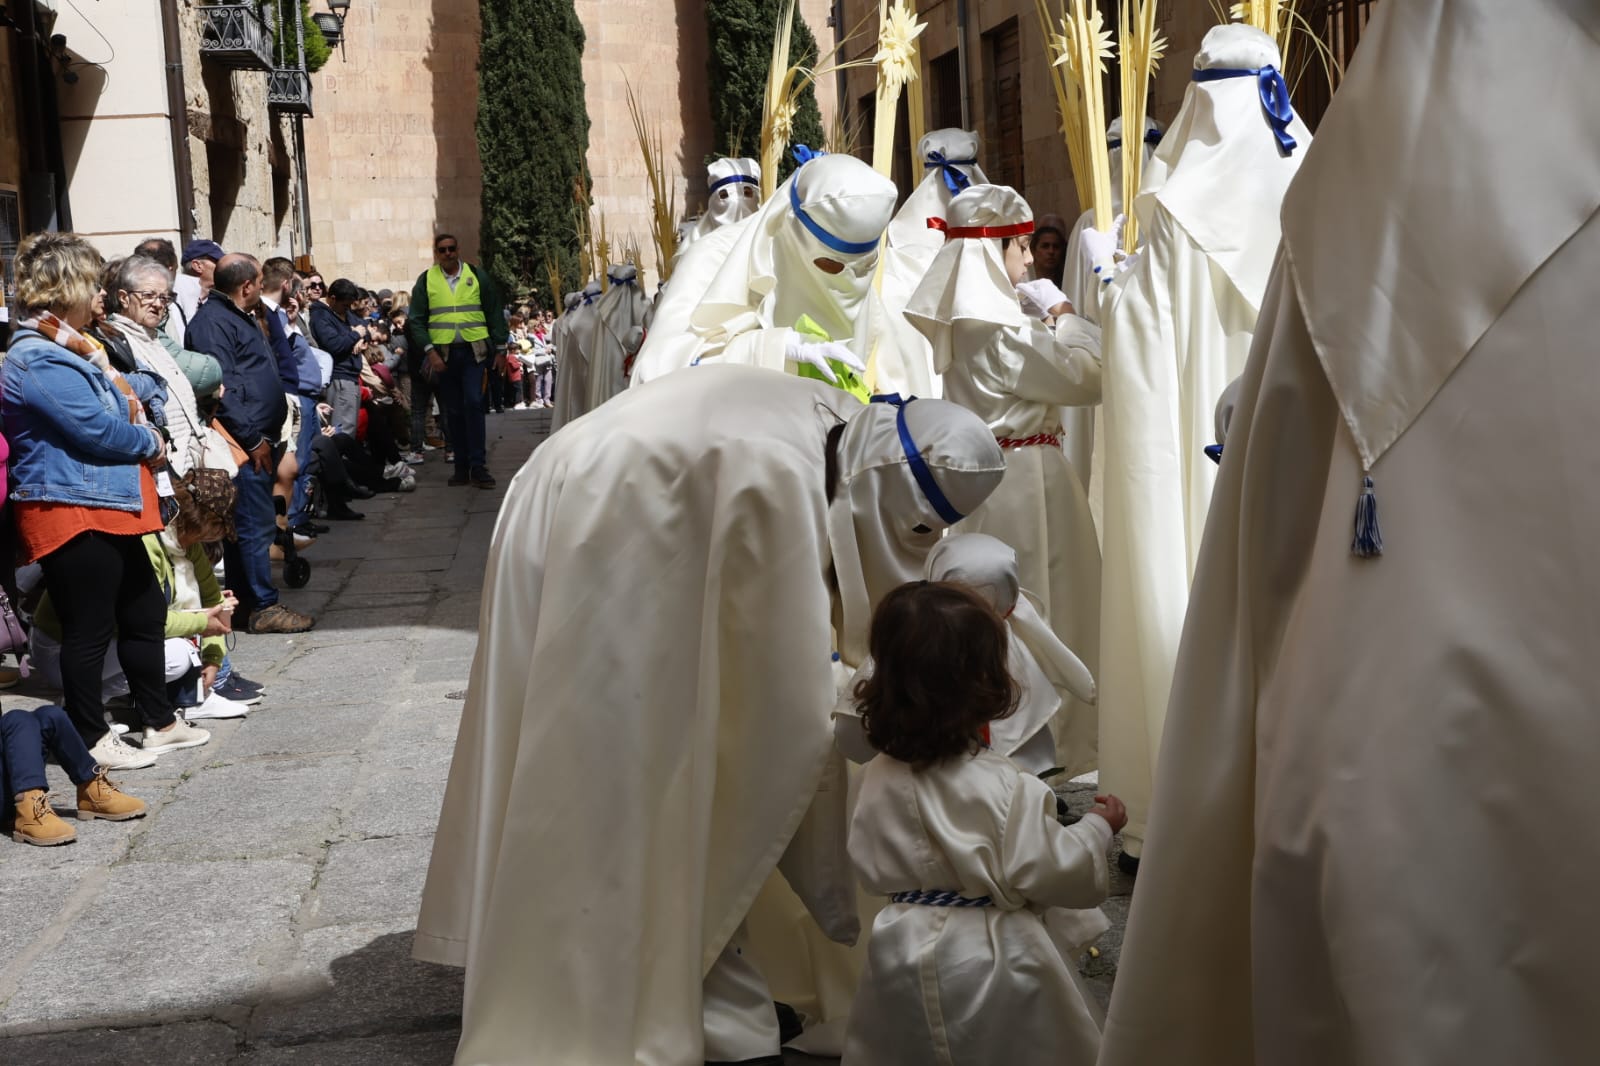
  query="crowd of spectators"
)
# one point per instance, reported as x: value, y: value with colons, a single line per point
x: 170, y: 427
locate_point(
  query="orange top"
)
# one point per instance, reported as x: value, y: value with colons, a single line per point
x: 45, y: 527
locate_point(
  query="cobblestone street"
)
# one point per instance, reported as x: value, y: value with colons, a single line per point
x: 262, y: 913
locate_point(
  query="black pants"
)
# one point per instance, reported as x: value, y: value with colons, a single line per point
x: 103, y: 588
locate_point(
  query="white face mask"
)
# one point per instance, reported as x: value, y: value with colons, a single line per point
x: 733, y: 202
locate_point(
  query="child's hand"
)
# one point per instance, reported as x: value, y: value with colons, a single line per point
x: 1111, y: 809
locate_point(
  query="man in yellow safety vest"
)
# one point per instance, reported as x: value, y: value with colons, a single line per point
x: 458, y: 321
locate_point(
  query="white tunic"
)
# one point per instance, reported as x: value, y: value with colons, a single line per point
x: 1177, y: 327
x: 1017, y: 379
x: 974, y: 986
x: 618, y: 331
x: 1362, y: 752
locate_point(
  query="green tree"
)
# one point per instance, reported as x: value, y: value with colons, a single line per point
x: 741, y: 33
x: 533, y: 138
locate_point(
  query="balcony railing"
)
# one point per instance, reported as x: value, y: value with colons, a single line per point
x: 234, y: 36
x: 289, y: 91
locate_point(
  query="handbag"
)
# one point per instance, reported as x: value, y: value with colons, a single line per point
x: 205, y: 497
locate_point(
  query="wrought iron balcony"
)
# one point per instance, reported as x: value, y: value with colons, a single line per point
x: 289, y: 91
x: 234, y: 36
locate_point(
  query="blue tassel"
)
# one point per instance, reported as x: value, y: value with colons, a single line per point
x: 1368, y: 540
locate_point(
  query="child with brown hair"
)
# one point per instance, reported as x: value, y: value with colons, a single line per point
x: 990, y: 898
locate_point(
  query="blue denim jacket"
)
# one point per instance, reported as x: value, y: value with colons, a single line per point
x: 67, y: 424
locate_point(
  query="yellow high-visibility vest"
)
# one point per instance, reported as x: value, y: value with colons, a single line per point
x: 458, y: 315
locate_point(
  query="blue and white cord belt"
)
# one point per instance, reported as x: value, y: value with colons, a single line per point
x: 941, y: 899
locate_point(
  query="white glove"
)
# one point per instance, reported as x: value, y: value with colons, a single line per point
x: 817, y: 354
x: 1100, y: 248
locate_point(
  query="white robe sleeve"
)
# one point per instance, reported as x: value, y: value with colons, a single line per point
x: 1046, y: 863
x: 1061, y: 369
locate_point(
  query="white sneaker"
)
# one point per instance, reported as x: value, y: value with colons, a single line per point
x: 181, y: 735
x: 395, y: 470
x: 119, y: 728
x: 407, y: 484
x: 112, y: 754
x: 216, y: 706
x: 413, y: 458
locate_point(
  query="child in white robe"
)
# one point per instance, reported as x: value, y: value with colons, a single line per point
x: 1016, y: 373
x: 1056, y: 691
x: 971, y: 963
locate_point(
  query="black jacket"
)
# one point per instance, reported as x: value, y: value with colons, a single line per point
x: 253, y: 403
x: 333, y: 334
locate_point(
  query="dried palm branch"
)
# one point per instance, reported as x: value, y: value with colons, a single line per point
x: 896, y: 59
x: 663, y: 193
x: 1078, y: 54
x: 1141, y: 49
x: 552, y: 270
x: 785, y: 84
x: 602, y: 251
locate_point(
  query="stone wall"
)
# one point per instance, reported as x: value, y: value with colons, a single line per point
x: 235, y: 144
x: 393, y: 151
x: 392, y: 154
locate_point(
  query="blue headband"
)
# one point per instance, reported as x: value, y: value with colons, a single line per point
x: 838, y: 244
x: 621, y: 281
x: 804, y: 155
x: 919, y: 465
x: 1274, y: 99
x: 954, y: 180
x: 589, y: 298
x: 734, y: 179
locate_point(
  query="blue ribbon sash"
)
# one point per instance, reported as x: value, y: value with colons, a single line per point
x: 1274, y: 99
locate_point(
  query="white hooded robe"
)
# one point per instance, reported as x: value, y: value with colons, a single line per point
x: 1364, y: 754
x: 1177, y: 329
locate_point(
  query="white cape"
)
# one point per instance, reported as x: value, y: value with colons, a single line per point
x: 1360, y: 751
x: 1177, y: 330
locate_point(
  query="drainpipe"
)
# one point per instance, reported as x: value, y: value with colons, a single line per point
x: 961, y: 63
x: 178, y: 120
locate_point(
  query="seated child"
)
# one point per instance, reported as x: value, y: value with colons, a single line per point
x: 972, y: 961
x: 25, y: 739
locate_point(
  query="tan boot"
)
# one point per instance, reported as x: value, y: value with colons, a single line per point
x: 37, y: 823
x: 101, y: 798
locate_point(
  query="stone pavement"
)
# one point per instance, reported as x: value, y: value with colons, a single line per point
x: 262, y: 914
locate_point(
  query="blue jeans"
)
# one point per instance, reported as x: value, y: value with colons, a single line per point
x: 25, y: 737
x: 249, y: 560
x: 463, y: 391
x: 300, y: 503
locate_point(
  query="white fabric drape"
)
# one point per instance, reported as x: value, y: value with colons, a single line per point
x: 961, y: 985
x: 1177, y: 329
x: 573, y: 343
x: 650, y: 699
x: 618, y: 332
x: 1359, y: 749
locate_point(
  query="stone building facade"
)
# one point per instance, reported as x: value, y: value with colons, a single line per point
x: 393, y: 156
x: 393, y: 153
x: 144, y: 155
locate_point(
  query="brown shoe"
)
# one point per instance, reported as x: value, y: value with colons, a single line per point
x: 37, y: 823
x: 279, y: 619
x: 101, y: 798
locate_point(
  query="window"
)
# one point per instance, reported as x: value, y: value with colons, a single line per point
x: 1339, y: 24
x: 944, y: 90
x: 10, y: 237
x: 1002, y: 51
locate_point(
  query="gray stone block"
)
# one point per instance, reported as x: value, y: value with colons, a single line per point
x: 350, y: 982
x: 419, y: 1049
x: 369, y: 881
x: 251, y: 810
x: 396, y: 803
x: 181, y: 1044
x: 165, y: 939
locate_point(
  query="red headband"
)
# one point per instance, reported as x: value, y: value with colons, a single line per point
x: 1019, y: 229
